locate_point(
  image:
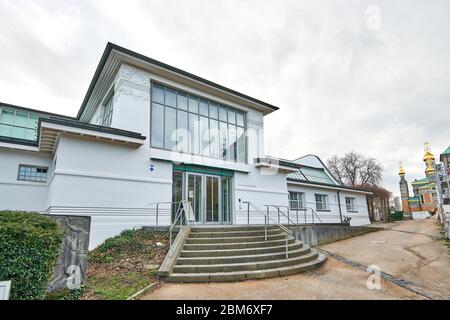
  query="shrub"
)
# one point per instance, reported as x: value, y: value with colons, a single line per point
x: 29, y: 247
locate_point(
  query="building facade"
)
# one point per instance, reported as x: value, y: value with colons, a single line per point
x: 424, y: 190
x: 148, y: 136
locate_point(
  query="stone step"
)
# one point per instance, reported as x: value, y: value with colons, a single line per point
x: 277, y: 236
x: 246, y: 266
x: 247, y: 275
x: 224, y: 234
x: 245, y: 251
x: 237, y: 245
x: 221, y: 228
x: 243, y: 259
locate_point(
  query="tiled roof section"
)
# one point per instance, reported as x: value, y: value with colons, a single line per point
x: 312, y: 175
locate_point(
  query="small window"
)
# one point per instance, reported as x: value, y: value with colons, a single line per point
x: 350, y: 204
x: 321, y: 202
x: 296, y: 201
x: 32, y: 173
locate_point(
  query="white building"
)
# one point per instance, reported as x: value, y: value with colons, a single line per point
x: 148, y: 134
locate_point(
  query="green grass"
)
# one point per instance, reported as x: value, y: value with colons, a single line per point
x: 116, y: 287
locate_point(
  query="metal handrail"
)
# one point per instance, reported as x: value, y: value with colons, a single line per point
x: 280, y: 212
x: 314, y: 213
x: 179, y: 213
x: 266, y: 218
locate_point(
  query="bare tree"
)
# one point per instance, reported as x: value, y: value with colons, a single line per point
x: 353, y: 169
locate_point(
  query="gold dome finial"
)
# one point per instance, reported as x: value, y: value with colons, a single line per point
x: 429, y: 169
x: 428, y: 156
x: 401, y: 171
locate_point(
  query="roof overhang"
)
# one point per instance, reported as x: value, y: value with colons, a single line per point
x: 114, y: 56
x: 50, y: 131
x: 277, y: 164
x: 329, y: 187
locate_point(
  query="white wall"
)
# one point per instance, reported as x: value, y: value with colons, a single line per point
x: 261, y: 187
x: 333, y: 216
x: 96, y: 174
x: 21, y: 195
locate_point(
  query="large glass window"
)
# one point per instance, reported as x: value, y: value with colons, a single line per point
x: 108, y: 112
x: 208, y: 128
x: 18, y: 124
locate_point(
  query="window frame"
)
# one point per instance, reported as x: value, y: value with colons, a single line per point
x: 108, y: 108
x: 238, y: 157
x: 325, y: 206
x: 32, y: 167
x: 300, y: 201
x: 26, y: 128
x: 352, y: 207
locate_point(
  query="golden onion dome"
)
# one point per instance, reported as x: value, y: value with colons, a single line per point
x: 401, y: 171
x: 428, y: 156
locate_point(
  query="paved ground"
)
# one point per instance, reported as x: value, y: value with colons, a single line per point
x: 407, y: 250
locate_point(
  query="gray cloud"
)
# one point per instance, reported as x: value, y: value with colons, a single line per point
x: 340, y: 85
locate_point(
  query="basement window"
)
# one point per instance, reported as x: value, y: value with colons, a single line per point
x: 32, y: 173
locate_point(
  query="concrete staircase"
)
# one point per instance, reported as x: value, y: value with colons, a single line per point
x: 234, y: 253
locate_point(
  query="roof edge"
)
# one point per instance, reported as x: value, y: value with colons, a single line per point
x: 110, y: 47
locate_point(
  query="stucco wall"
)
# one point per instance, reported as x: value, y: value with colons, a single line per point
x: 21, y: 195
x: 333, y: 215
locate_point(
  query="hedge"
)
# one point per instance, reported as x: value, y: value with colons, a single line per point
x: 29, y: 248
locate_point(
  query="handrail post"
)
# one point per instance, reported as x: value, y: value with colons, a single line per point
x: 265, y: 228
x: 278, y: 208
x: 170, y: 243
x: 248, y: 212
x: 297, y: 215
x: 304, y: 211
x: 289, y: 218
x: 287, y: 251
x: 312, y: 215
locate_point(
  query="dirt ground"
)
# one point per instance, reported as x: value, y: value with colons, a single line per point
x: 408, y: 250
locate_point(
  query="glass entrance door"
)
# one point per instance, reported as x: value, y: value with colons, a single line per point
x: 212, y: 199
x: 194, y: 194
x: 209, y: 195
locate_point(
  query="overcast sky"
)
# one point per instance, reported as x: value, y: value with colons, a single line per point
x: 369, y: 76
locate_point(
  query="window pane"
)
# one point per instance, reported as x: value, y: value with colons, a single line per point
x: 30, y: 134
x: 171, y: 97
x: 223, y: 114
x: 182, y: 101
x: 240, y: 144
x: 213, y: 111
x: 33, y: 121
x: 170, y: 121
x: 182, y: 131
x: 7, y: 116
x: 214, y: 138
x: 5, y: 130
x: 157, y: 126
x: 231, y: 117
x: 240, y: 119
x: 193, y: 104
x: 18, y: 133
x: 203, y: 107
x: 204, y: 135
x: 158, y: 93
x: 194, y: 125
x: 223, y: 142
x: 232, y: 143
x: 21, y: 119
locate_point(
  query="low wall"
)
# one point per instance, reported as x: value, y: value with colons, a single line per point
x: 71, y: 268
x: 315, y: 235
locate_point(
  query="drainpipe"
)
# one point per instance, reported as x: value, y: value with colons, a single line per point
x: 339, y: 204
